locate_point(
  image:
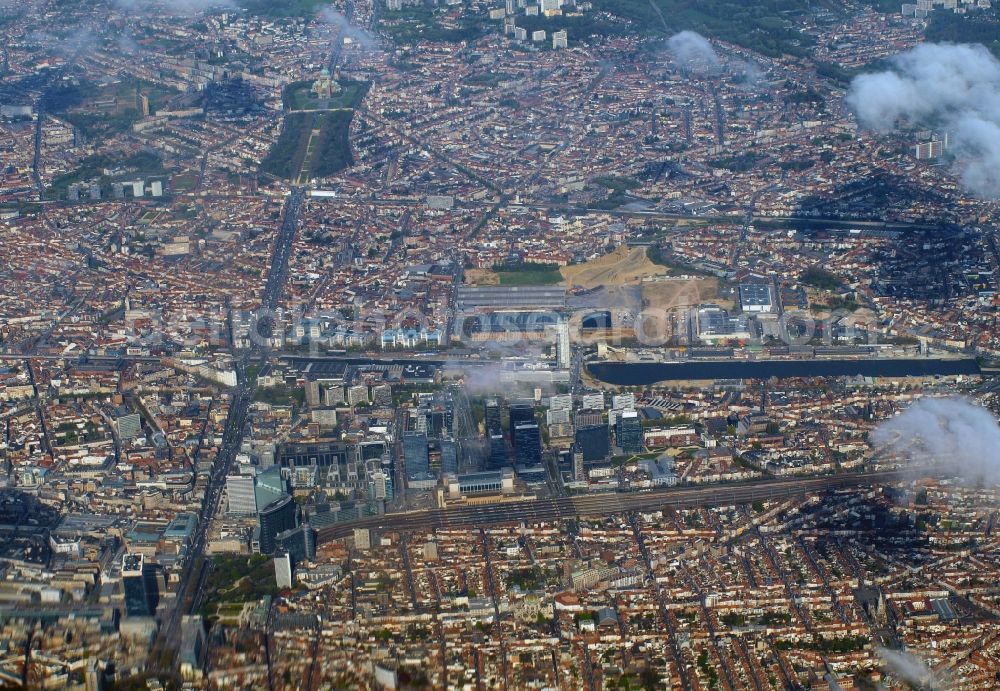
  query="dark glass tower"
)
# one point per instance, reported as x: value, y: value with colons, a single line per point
x: 629, y: 432
x: 277, y: 517
x: 528, y: 444
x: 139, y: 584
x: 415, y: 453
x: 593, y: 441
x: 300, y: 543
x: 520, y: 414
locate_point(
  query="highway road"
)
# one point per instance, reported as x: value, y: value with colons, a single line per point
x: 195, y: 571
x: 553, y: 508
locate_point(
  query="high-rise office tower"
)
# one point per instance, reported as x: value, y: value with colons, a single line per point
x: 139, y: 585
x: 528, y: 444
x: 498, y: 451
x: 278, y: 516
x: 494, y: 418
x: 415, y: 453
x: 494, y: 433
x: 593, y: 441
x: 299, y: 542
x: 629, y: 432
x: 562, y: 344
x: 449, y: 456
x: 520, y: 414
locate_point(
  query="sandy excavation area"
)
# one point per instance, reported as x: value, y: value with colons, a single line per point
x: 624, y: 265
x: 681, y: 293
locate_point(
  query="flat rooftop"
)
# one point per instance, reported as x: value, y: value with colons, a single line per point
x: 511, y: 296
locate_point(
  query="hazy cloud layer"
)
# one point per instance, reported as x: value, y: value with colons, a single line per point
x: 693, y: 51
x: 126, y: 45
x: 78, y: 40
x: 481, y: 380
x: 181, y: 7
x: 909, y: 668
x: 332, y: 17
x: 746, y: 73
x: 951, y: 434
x: 954, y: 88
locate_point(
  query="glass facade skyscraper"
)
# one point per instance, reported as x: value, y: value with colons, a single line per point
x: 629, y: 431
x: 594, y: 442
x: 278, y: 516
x: 527, y: 444
x: 415, y: 453
x: 139, y: 585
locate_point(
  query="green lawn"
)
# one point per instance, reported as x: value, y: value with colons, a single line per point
x: 184, y: 182
x: 529, y: 278
x: 625, y: 459
x: 330, y: 151
x: 295, y: 95
x: 333, y: 151
x: 281, y: 395
x: 285, y: 158
x: 350, y: 94
x: 298, y: 96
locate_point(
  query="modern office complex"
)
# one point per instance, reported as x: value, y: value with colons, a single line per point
x: 277, y: 517
x: 139, y: 586
x: 628, y: 432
